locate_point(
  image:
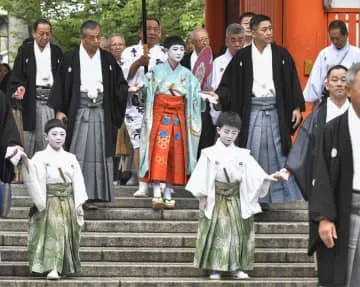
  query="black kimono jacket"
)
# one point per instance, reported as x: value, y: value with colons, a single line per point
x: 331, y: 197
x: 9, y: 136
x: 24, y: 74
x: 300, y: 161
x: 65, y: 95
x: 235, y: 91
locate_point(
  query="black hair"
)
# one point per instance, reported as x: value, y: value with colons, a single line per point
x: 41, y: 21
x: 257, y: 19
x: 89, y: 24
x: 173, y: 40
x: 6, y: 65
x: 336, y: 67
x: 53, y: 123
x: 229, y: 118
x: 246, y: 14
x: 338, y: 24
x: 149, y: 18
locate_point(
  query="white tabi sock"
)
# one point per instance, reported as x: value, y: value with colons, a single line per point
x: 156, y: 188
x: 168, y: 191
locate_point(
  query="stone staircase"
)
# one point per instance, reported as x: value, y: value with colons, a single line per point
x: 127, y: 244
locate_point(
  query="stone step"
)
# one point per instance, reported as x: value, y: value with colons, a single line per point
x: 155, y: 282
x: 154, y: 240
x: 110, y: 269
x: 177, y: 214
x: 132, y: 202
x: 160, y: 226
x: 121, y: 254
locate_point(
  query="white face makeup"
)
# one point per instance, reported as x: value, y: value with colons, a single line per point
x: 176, y: 53
x: 227, y: 134
x: 56, y: 137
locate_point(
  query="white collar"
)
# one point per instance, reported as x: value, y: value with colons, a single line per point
x: 333, y: 111
x: 227, y: 54
x: 37, y: 48
x: 256, y: 50
x: 354, y: 118
x: 85, y: 53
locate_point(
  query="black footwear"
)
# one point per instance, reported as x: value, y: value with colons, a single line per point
x: 90, y: 206
x: 265, y: 206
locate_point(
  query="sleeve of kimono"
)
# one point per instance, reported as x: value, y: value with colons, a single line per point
x: 322, y: 199
x: 80, y: 195
x: 296, y: 92
x: 121, y: 93
x: 17, y: 77
x: 9, y: 136
x: 199, y: 183
x: 34, y: 178
x: 314, y: 85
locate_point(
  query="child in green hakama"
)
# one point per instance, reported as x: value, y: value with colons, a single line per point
x: 55, y: 182
x: 228, y: 182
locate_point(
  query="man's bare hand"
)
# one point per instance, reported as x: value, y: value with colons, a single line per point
x: 296, y: 118
x: 19, y: 93
x: 60, y: 116
x: 211, y: 96
x: 327, y: 232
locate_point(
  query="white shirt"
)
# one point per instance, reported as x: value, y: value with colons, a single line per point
x: 263, y: 84
x: 327, y: 58
x: 90, y: 73
x: 219, y: 66
x: 354, y: 128
x: 193, y: 59
x: 333, y: 111
x: 156, y: 54
x: 44, y: 76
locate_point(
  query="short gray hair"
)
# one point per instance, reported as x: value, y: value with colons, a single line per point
x: 234, y: 29
x: 116, y: 35
x: 191, y: 36
x: 89, y: 24
x: 351, y: 74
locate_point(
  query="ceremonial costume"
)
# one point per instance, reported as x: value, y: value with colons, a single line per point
x: 327, y: 58
x: 35, y: 70
x: 172, y: 124
x: 232, y: 181
x: 54, y: 232
x: 335, y: 196
x: 134, y: 113
x: 95, y: 105
x: 263, y: 88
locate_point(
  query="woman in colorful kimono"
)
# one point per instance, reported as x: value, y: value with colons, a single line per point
x: 55, y: 182
x: 228, y: 181
x: 171, y: 125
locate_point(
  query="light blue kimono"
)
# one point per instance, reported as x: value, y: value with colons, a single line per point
x: 162, y: 79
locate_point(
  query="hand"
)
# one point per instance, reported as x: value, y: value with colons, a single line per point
x: 80, y: 211
x: 211, y: 96
x: 203, y: 201
x: 143, y: 60
x: 282, y: 175
x: 19, y: 93
x: 327, y: 232
x: 60, y: 116
x: 17, y: 148
x: 296, y: 118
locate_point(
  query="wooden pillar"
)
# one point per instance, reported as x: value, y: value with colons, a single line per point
x: 215, y: 23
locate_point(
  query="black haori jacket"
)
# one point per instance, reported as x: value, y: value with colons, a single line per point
x: 331, y: 197
x: 24, y: 74
x: 65, y: 95
x: 235, y: 91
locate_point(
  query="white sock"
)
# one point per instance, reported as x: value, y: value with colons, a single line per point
x: 156, y: 189
x: 168, y: 191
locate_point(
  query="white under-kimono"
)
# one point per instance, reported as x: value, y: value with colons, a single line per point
x: 55, y: 182
x: 232, y: 182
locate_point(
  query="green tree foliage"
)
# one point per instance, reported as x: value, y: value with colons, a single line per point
x: 178, y: 17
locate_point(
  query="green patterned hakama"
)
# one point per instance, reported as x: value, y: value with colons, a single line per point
x: 54, y: 235
x: 226, y: 242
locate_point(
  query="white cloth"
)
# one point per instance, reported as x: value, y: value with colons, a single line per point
x: 333, y: 111
x: 44, y: 169
x: 240, y: 166
x: 219, y: 66
x: 9, y: 154
x: 44, y: 76
x: 193, y: 59
x: 263, y: 83
x: 131, y: 54
x: 327, y: 58
x: 354, y: 127
x: 90, y: 73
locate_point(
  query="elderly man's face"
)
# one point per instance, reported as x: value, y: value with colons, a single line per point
x: 91, y: 40
x: 235, y: 42
x: 337, y: 38
x: 201, y: 40
x: 117, y: 46
x: 42, y: 35
x: 153, y: 31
